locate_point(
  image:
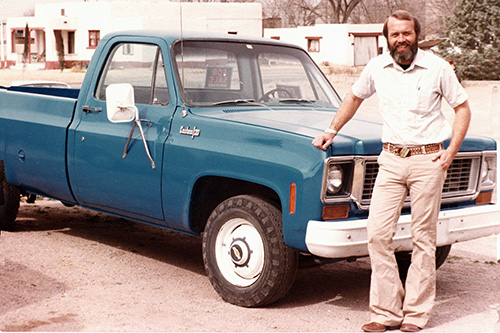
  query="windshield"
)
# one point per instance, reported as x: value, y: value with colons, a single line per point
x: 219, y: 73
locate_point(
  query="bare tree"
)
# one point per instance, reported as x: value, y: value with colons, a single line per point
x: 437, y: 13
x: 376, y: 11
x: 309, y: 12
x: 292, y: 12
x: 342, y: 9
x: 432, y: 14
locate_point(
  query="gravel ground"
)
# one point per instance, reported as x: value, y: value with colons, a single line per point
x: 70, y: 269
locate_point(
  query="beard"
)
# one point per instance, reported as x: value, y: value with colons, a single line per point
x: 403, y: 57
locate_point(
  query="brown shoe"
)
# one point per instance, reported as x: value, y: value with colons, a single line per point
x: 410, y: 328
x: 374, y: 327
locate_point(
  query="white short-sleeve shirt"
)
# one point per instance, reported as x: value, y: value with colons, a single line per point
x: 410, y: 100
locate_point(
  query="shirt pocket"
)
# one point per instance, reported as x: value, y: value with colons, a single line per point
x: 424, y: 101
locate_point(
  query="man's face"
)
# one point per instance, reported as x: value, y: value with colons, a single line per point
x: 402, y: 40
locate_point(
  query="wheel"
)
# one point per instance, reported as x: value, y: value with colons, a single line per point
x: 265, y: 97
x: 441, y: 255
x: 9, y: 201
x: 244, y: 253
x: 404, y: 260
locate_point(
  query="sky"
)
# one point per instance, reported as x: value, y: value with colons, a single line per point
x: 15, y: 8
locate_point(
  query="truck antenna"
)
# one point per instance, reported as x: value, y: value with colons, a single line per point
x: 184, y: 111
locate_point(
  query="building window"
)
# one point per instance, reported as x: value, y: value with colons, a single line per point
x: 313, y: 44
x: 94, y: 38
x: 71, y: 42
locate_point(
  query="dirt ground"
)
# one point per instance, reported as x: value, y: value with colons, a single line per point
x: 70, y: 269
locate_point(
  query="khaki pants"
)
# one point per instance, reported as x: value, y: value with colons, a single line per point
x: 392, y: 304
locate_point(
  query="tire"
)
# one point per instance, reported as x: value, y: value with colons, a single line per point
x: 9, y: 201
x: 404, y: 260
x: 244, y: 253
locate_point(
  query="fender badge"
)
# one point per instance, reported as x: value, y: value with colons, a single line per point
x: 191, y: 132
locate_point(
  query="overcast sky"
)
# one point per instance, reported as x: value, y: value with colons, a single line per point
x: 14, y: 8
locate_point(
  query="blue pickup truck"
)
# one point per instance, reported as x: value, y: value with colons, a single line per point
x: 211, y: 136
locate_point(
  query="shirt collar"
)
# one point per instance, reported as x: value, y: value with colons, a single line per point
x: 420, y: 61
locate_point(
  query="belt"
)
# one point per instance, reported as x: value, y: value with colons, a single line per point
x: 407, y: 151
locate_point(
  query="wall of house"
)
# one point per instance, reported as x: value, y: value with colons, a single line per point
x: 76, y: 17
x: 336, y: 41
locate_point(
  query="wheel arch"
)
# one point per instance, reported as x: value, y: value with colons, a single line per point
x: 209, y: 191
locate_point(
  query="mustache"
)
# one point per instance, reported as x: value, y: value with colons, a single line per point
x: 402, y: 44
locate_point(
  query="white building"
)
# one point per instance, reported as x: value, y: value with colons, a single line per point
x: 339, y: 44
x: 78, y: 26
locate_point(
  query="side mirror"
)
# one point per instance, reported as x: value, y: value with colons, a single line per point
x: 120, y: 108
x: 120, y: 104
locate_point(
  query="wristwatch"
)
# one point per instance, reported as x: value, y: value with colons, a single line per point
x: 331, y: 130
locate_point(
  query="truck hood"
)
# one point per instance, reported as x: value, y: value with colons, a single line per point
x: 359, y: 136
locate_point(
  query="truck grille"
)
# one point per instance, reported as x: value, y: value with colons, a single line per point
x: 461, y: 178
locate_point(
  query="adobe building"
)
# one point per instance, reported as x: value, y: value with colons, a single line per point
x: 76, y: 27
x: 339, y: 44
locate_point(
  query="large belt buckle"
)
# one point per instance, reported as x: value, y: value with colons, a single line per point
x: 404, y: 152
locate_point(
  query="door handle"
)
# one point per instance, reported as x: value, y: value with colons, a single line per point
x: 88, y: 109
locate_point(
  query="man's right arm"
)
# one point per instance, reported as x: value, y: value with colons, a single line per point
x: 345, y: 112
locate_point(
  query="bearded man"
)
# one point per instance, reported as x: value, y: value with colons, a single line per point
x: 410, y: 85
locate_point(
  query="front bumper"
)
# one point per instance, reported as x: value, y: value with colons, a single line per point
x: 331, y: 239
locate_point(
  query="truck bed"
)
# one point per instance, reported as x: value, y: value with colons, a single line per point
x: 59, y: 92
x: 34, y: 122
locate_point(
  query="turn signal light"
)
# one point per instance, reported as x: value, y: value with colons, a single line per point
x: 483, y: 198
x: 293, y: 198
x: 335, y: 212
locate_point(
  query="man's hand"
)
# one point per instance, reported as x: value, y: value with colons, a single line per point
x: 445, y: 157
x: 323, y: 140
x: 460, y: 126
x: 346, y: 111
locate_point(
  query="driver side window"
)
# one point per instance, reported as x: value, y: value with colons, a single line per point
x: 142, y: 66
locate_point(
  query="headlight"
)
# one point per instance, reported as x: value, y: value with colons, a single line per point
x: 489, y: 171
x: 334, y: 179
x: 338, y: 174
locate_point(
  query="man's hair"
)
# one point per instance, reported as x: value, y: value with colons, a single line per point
x: 402, y: 15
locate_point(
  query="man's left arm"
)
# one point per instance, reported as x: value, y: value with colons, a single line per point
x: 460, y: 127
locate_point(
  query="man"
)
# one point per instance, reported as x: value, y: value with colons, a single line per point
x: 410, y: 84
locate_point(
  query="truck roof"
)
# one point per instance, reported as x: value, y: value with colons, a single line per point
x: 170, y: 36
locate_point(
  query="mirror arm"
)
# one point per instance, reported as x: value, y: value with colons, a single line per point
x: 138, y: 123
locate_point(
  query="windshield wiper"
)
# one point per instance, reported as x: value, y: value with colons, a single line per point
x: 297, y: 100
x: 235, y: 101
x: 301, y: 100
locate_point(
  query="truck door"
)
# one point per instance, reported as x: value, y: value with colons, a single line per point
x: 100, y: 175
